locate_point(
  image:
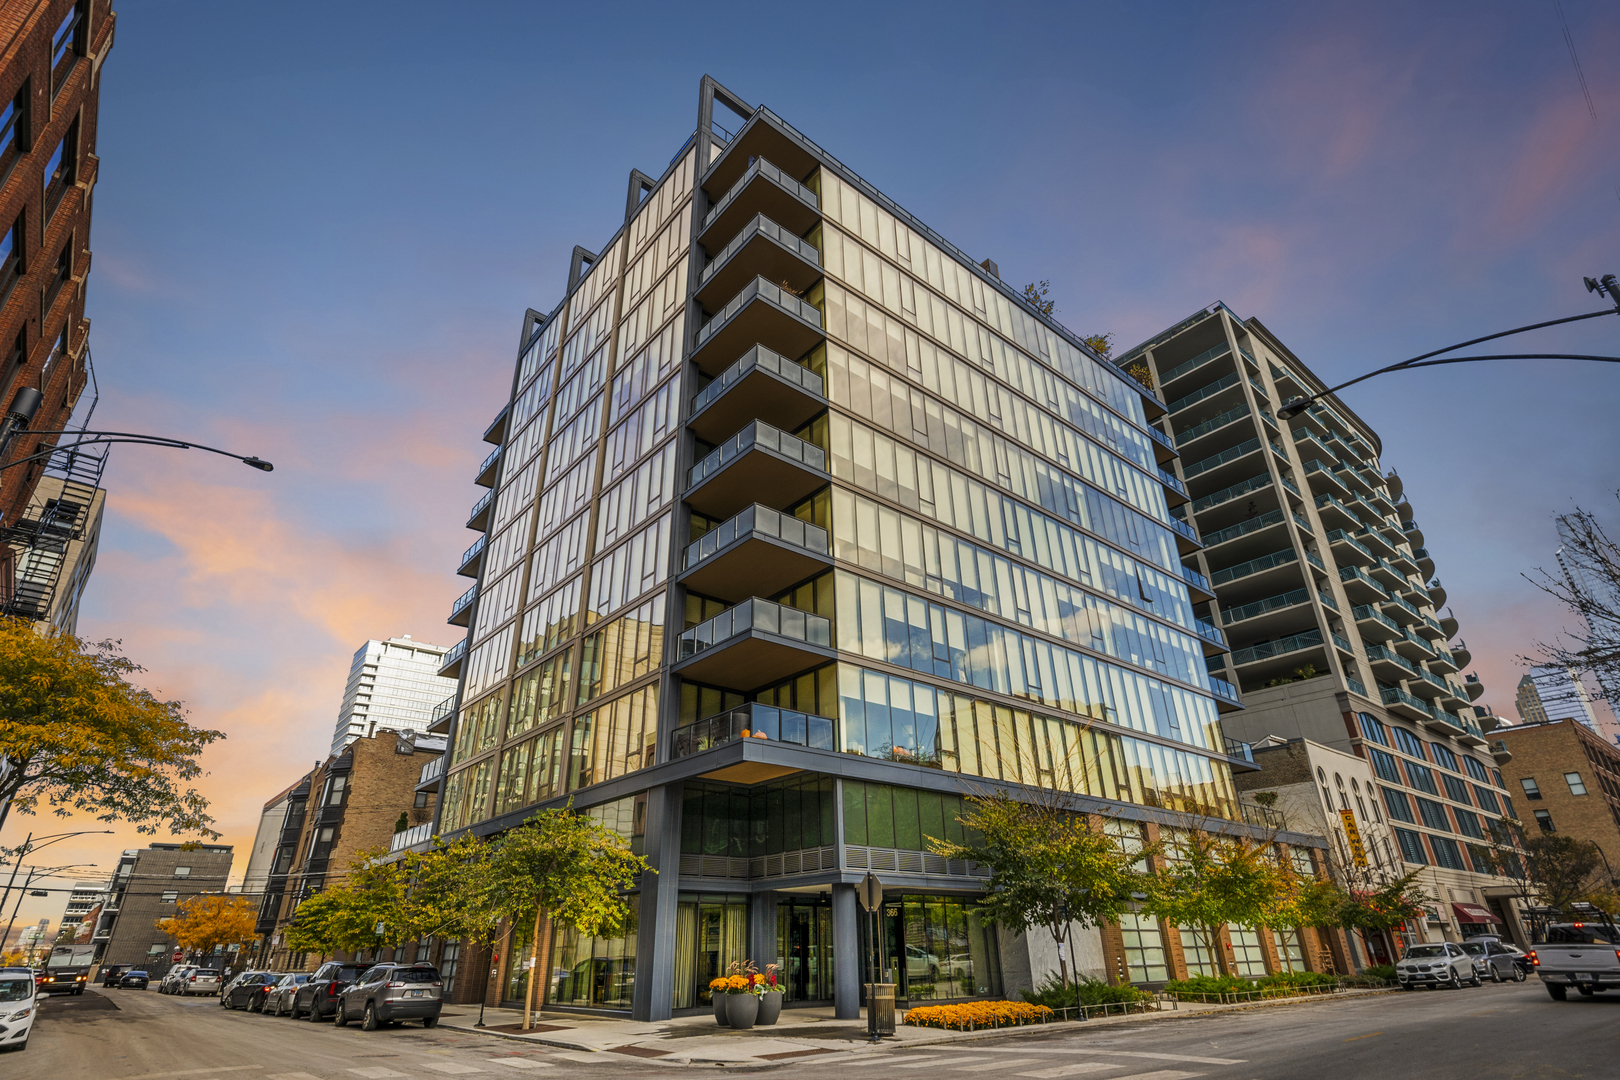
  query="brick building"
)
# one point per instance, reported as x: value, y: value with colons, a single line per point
x: 149, y: 884
x: 50, y: 79
x: 1570, y: 780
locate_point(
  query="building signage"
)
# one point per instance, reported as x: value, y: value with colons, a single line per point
x: 1353, y: 834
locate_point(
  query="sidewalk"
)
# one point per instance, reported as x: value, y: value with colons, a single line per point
x: 800, y: 1033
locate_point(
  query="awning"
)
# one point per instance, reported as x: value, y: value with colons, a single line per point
x: 1473, y: 913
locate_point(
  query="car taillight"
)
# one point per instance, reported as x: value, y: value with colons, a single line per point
x: 194, y: 978
x: 395, y: 986
x: 1617, y: 953
x: 331, y: 989
x: 1534, y: 960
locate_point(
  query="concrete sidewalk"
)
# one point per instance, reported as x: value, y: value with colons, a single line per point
x: 799, y: 1034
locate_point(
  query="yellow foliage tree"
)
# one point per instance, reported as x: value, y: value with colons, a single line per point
x: 79, y: 736
x: 202, y: 923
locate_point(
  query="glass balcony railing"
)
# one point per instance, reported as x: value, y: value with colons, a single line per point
x: 1160, y: 437
x: 757, y: 520
x: 761, y: 289
x: 761, y: 167
x: 1255, y: 566
x: 1196, y: 579
x: 473, y: 552
x: 1223, y: 689
x: 1210, y: 632
x: 1227, y: 417
x: 1225, y: 382
x: 416, y: 834
x: 761, y: 434
x: 442, y: 710
x: 453, y: 657
x: 756, y: 614
x: 1172, y: 481
x: 432, y: 770
x: 1310, y: 639
x: 1184, y: 529
x: 463, y: 602
x: 1226, y: 494
x: 756, y: 721
x: 763, y: 359
x: 480, y: 506
x: 1240, y: 750
x: 761, y: 226
x: 1242, y: 528
x: 1248, y: 446
x: 489, y: 464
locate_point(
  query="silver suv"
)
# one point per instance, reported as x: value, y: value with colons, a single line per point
x: 1442, y: 965
x: 389, y: 993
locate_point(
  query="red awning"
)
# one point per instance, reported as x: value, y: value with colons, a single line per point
x: 1473, y: 913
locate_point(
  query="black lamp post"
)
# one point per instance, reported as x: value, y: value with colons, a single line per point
x: 26, y: 404
x: 1606, y: 285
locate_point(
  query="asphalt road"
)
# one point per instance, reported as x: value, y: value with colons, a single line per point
x: 1496, y: 1031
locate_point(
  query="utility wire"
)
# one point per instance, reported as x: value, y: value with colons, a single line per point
x: 1575, y: 59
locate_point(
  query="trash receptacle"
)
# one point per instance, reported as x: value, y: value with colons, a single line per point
x: 880, y: 1004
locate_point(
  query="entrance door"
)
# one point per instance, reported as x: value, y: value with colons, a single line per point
x: 804, y: 942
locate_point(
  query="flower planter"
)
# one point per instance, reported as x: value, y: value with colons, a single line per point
x: 720, y: 998
x: 770, y: 1007
x: 742, y: 1010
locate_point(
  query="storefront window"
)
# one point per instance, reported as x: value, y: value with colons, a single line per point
x: 594, y: 972
x: 804, y: 946
x: 937, y: 948
x: 711, y: 933
x: 1144, y: 948
x: 1247, y: 955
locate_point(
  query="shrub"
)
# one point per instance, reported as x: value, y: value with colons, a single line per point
x: 1294, y: 979
x: 1380, y: 971
x: 1055, y: 995
x: 1210, y: 984
x: 978, y: 1014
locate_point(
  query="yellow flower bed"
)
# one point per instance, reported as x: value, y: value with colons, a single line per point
x: 978, y: 1014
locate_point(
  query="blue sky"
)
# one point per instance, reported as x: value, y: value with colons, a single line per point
x: 317, y: 227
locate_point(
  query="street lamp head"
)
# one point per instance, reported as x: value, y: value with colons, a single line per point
x: 1605, y: 285
x: 258, y: 463
x: 1293, y: 408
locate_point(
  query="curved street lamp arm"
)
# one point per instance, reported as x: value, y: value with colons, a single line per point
x: 1296, y: 406
x: 131, y: 437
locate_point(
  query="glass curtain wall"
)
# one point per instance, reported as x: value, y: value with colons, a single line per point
x: 804, y: 942
x: 711, y: 934
x: 936, y: 948
x: 596, y: 972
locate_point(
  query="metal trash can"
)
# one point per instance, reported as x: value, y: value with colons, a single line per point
x: 880, y: 1005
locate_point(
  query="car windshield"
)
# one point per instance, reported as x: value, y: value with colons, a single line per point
x: 1424, y: 952
x: 12, y: 989
x: 1577, y: 934
x: 294, y: 980
x: 416, y: 975
x: 1475, y: 947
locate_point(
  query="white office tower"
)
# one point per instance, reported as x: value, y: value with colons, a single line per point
x: 392, y: 684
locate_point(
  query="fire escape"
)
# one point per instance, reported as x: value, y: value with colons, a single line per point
x: 39, y: 541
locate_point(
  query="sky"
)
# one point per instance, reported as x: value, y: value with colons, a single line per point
x: 317, y: 227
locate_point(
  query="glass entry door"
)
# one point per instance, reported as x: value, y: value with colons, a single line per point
x: 804, y: 942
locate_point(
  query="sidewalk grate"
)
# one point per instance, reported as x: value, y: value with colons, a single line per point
x: 795, y: 1054
x: 638, y: 1051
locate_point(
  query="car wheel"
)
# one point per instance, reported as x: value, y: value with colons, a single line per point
x: 341, y: 1017
x: 369, y: 1022
x: 1518, y: 974
x: 1496, y: 974
x: 314, y: 1011
x: 1556, y: 992
x: 224, y: 1002
x: 430, y: 1021
x: 293, y: 1009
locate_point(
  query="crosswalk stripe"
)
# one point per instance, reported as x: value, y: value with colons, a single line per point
x: 450, y: 1067
x: 926, y: 1062
x: 521, y: 1063
x: 292, y: 1076
x: 1161, y: 1074
x: 1160, y: 1057
x: 986, y: 1066
x: 376, y: 1072
x: 1071, y: 1070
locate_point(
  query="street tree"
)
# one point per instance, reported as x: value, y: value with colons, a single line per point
x: 1588, y: 584
x: 78, y: 736
x: 315, y: 924
x: 1562, y: 869
x: 1211, y: 879
x: 561, y: 866
x: 1049, y: 866
x: 202, y: 924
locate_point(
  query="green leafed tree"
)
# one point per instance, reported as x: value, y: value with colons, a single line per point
x: 1213, y: 879
x: 313, y: 928
x: 1050, y: 867
x: 77, y: 736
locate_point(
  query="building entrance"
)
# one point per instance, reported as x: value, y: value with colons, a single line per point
x: 804, y: 942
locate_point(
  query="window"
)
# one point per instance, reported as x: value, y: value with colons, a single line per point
x: 1143, y: 944
x: 1576, y: 785
x: 1384, y: 766
x: 1409, y: 744
x: 1399, y: 805
x: 67, y: 45
x: 1447, y: 853
x: 1411, y: 847
x: 1421, y: 777
x: 1476, y: 770
x: 421, y: 800
x: 1443, y: 757
x: 1508, y: 800
x: 447, y: 962
x: 1545, y: 820
x: 1456, y: 790
x: 1531, y: 791
x: 59, y: 277
x: 62, y: 170
x: 11, y: 257
x: 1433, y: 814
x: 1372, y: 730
x: 1498, y: 774
x: 334, y: 791
x: 13, y: 132
x: 169, y: 897
x: 182, y: 871
x: 1468, y: 823
x: 1487, y: 799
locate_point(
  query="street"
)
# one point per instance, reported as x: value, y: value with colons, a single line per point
x: 1510, y: 1030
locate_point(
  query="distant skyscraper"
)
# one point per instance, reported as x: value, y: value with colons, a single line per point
x: 1529, y: 702
x: 1585, y: 578
x: 392, y: 684
x: 1555, y: 693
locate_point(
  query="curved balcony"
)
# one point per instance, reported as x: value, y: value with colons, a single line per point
x: 763, y: 385
x: 1460, y: 655
x: 1392, y: 480
x: 1488, y: 721
x: 1432, y: 630
x: 1500, y: 752
x: 1413, y: 534
x: 762, y: 189
x: 490, y: 470
x: 758, y: 464
x: 479, y: 517
x: 471, y: 558
x: 461, y: 610
x: 1425, y: 562
x: 1473, y: 687
x: 1437, y: 594
x: 753, y: 644
x: 760, y: 312
x: 1448, y: 627
x: 758, y: 552
x: 762, y: 249
x: 755, y: 721
x: 1472, y: 734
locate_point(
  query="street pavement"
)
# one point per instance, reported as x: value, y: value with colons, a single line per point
x: 1496, y: 1031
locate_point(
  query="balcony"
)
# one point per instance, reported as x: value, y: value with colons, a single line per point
x: 1433, y: 630
x: 1358, y: 586
x: 1373, y: 625
x: 1164, y: 447
x: 759, y: 138
x: 1227, y: 698
x: 1473, y: 687
x: 496, y: 432
x: 1413, y: 534
x: 439, y: 721
x: 1227, y: 494
x: 1377, y: 541
x: 1275, y: 650
x: 1205, y: 392
x: 758, y: 464
x: 1389, y: 664
x: 1500, y: 752
x: 1321, y: 477
x: 753, y: 644
x: 431, y: 772
x: 470, y: 558
x: 1443, y: 662
x: 406, y: 838
x: 1391, y: 578
x: 1448, y: 627
x: 1205, y: 357
x: 1243, y: 528
x: 1404, y: 562
x: 479, y: 517
x: 1425, y: 562
x: 1428, y: 686
x: 461, y: 610
x: 1333, y: 512
x: 450, y: 664
x: 1444, y: 723
x: 1404, y: 705
x: 1401, y: 611
x: 1214, y: 641
x: 1472, y: 735
x: 763, y: 249
x: 758, y: 552
x: 1436, y: 594
x: 1460, y: 655
x: 762, y: 189
x: 1242, y: 449
x: 1348, y: 550
x: 1343, y: 645
x: 490, y: 470
x: 1214, y: 423
x: 763, y: 385
x: 1280, y: 602
x: 1187, y: 540
x: 755, y: 721
x: 1198, y: 586
x: 1175, y: 492
x: 1263, y: 564
x: 760, y: 312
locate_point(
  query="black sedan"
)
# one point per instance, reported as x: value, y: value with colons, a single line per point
x: 249, y: 991
x: 134, y: 980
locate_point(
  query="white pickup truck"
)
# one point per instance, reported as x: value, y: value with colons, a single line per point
x: 1582, y: 954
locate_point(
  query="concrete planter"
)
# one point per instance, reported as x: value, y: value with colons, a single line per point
x: 720, y: 999
x: 742, y: 1010
x: 770, y: 1007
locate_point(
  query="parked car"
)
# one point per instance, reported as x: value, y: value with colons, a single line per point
x: 248, y: 990
x: 133, y: 980
x: 112, y: 973
x: 174, y: 977
x: 318, y: 996
x: 1493, y: 961
x: 199, y: 981
x: 1440, y: 965
x: 388, y: 993
x: 279, y: 999
x: 19, y: 998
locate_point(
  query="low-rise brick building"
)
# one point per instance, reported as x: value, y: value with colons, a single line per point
x: 1569, y: 779
x: 150, y: 884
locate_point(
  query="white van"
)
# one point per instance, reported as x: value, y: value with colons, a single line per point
x: 18, y: 1004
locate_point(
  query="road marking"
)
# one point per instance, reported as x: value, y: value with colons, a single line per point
x: 194, y: 1072
x: 1070, y: 1070
x: 376, y: 1072
x: 1162, y: 1057
x: 925, y: 1062
x: 285, y: 1076
x: 1161, y: 1074
x: 450, y: 1067
x: 1370, y: 1035
x: 521, y: 1063
x: 986, y: 1066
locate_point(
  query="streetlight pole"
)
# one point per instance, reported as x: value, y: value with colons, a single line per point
x: 108, y: 437
x: 28, y: 846
x: 1607, y: 285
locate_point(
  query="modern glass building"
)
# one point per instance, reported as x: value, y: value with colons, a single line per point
x: 801, y: 526
x: 393, y: 685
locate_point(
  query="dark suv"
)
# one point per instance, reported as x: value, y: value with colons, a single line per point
x: 319, y: 996
x: 388, y: 993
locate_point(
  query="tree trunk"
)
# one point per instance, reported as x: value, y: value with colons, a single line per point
x: 534, y: 974
x: 1058, y: 935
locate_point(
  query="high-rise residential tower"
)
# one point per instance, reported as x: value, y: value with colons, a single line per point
x: 1321, y: 581
x: 393, y: 685
x: 801, y: 527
